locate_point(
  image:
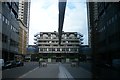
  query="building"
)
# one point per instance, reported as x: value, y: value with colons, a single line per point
x: 104, y: 26
x: 92, y: 14
x: 23, y: 30
x: 0, y: 30
x: 106, y: 30
x: 85, y: 53
x: 48, y: 44
x: 10, y: 29
x: 32, y: 53
x: 24, y: 11
x: 23, y: 19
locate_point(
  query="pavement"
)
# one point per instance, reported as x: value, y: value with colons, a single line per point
x: 51, y: 71
x: 78, y: 72
x: 57, y: 71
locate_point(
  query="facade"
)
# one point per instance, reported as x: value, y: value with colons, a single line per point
x: 85, y: 53
x: 22, y: 38
x: 105, y: 35
x: 62, y: 7
x: 24, y: 16
x: 0, y: 30
x: 48, y: 44
x: 92, y: 14
x: 10, y: 29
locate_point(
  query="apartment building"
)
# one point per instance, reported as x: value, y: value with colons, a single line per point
x: 48, y: 44
x: 23, y: 19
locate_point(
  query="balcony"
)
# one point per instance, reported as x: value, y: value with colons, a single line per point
x: 35, y: 39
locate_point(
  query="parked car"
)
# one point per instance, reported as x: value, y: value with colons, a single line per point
x: 74, y: 63
x: 1, y: 63
x: 116, y: 64
x: 19, y: 63
x: 7, y: 65
x: 43, y: 63
x: 13, y: 64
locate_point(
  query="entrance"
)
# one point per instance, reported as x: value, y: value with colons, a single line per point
x: 58, y: 57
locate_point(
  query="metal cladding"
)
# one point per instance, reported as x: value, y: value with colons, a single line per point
x: 62, y: 6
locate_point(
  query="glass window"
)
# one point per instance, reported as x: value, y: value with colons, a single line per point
x: 58, y: 49
x: 67, y: 49
x: 3, y: 18
x: 112, y: 19
x: 0, y: 15
x: 50, y: 49
x: 53, y: 49
x: 6, y: 21
x: 115, y: 16
x: 11, y: 27
x: 41, y: 49
x: 63, y: 49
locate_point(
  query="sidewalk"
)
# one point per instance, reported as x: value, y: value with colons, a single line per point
x: 78, y: 72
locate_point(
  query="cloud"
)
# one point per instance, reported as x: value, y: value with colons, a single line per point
x: 44, y: 18
x: 76, y: 19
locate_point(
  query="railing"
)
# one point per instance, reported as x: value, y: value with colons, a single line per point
x: 58, y: 52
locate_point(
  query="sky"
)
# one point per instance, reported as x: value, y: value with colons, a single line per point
x: 44, y: 18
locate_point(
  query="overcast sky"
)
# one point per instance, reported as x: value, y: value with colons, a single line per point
x: 44, y: 18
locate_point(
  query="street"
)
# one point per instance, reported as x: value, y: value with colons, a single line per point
x: 58, y: 70
x: 18, y: 71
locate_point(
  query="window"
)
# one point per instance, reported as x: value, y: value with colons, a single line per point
x: 41, y: 49
x: 4, y: 38
x: 67, y: 49
x: 6, y: 21
x: 112, y: 19
x: 53, y: 49
x: 116, y: 17
x: 0, y: 15
x: 50, y: 49
x: 58, y: 49
x: 3, y: 18
x: 11, y: 27
x: 63, y: 49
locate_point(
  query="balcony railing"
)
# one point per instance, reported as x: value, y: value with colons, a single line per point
x: 58, y: 52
